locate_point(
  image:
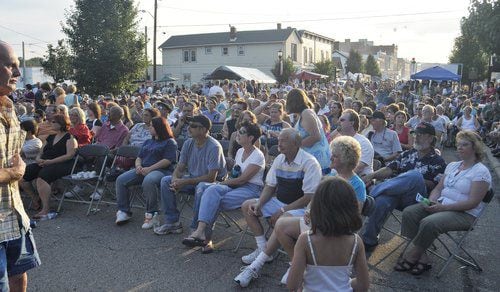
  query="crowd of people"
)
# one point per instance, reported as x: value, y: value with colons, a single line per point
x: 304, y: 157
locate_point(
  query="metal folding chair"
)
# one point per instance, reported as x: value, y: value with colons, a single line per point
x: 130, y: 152
x: 91, y: 157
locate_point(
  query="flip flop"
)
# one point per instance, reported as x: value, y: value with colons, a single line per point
x: 404, y: 266
x: 419, y: 268
x: 193, y: 241
x: 208, y: 248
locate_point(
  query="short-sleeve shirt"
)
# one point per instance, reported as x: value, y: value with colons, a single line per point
x: 367, y: 153
x: 154, y: 150
x: 293, y: 180
x: 112, y: 136
x: 429, y: 166
x: 457, y: 185
x: 255, y: 158
x: 413, y: 122
x: 386, y: 142
x: 200, y: 160
x: 357, y: 184
x: 139, y: 134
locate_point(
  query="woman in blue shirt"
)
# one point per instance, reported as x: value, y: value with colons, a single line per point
x: 156, y: 159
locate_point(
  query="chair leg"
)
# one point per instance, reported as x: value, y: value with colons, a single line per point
x: 228, y: 219
x: 237, y: 247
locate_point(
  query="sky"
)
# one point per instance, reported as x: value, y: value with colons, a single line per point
x: 424, y: 30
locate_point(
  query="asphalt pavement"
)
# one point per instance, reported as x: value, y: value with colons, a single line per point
x: 91, y: 253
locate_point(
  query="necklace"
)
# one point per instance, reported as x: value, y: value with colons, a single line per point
x: 456, y: 174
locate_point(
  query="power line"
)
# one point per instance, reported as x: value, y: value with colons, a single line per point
x: 26, y: 35
x: 315, y: 20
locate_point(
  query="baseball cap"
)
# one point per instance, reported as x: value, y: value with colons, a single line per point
x: 203, y: 120
x: 378, y: 115
x: 424, y: 128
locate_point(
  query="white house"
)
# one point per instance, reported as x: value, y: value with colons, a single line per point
x: 32, y: 75
x: 191, y: 57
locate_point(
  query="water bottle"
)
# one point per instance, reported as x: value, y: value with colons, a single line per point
x: 236, y: 171
x: 51, y: 215
x: 156, y: 220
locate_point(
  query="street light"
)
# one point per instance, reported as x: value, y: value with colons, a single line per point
x: 280, y: 58
x: 154, y: 36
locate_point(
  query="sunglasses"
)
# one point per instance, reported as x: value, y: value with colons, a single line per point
x: 194, y: 126
x: 241, y: 132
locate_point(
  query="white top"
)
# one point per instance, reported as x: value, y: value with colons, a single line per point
x: 468, y: 124
x: 31, y: 149
x: 457, y: 184
x: 328, y: 278
x: 256, y: 158
x: 366, y: 153
x: 386, y: 142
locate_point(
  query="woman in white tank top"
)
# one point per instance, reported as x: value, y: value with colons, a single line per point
x: 468, y: 121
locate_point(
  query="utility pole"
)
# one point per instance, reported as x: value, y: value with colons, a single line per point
x: 146, y: 49
x: 24, y: 67
x: 154, y: 41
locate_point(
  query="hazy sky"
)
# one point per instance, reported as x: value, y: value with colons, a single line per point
x: 422, y: 29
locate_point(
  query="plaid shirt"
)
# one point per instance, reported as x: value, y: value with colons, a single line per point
x: 11, y: 141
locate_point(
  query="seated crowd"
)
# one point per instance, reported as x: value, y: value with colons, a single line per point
x: 335, y: 146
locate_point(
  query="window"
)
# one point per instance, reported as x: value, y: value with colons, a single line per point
x: 186, y: 77
x: 310, y: 55
x: 193, y: 56
x: 186, y: 56
x: 225, y: 51
x: 305, y: 55
x: 294, y: 52
x: 208, y: 50
x: 241, y: 51
x: 189, y: 56
x: 322, y: 56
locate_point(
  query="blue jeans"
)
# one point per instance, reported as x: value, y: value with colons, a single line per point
x: 16, y: 257
x: 168, y: 199
x: 211, y: 198
x: 150, y: 184
x: 398, y: 192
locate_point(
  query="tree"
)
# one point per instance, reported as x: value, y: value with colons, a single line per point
x: 57, y: 62
x: 33, y: 62
x: 288, y: 70
x: 479, y: 39
x: 371, y: 67
x: 108, y: 49
x: 326, y: 67
x: 354, y: 62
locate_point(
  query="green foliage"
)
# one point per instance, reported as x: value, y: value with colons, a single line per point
x: 326, y: 67
x: 371, y: 67
x: 108, y: 49
x: 354, y: 62
x: 479, y: 39
x: 288, y: 70
x: 57, y: 62
x: 33, y: 62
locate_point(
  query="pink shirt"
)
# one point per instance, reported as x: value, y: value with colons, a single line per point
x: 112, y: 136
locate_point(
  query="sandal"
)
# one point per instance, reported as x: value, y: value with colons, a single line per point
x: 419, y: 268
x: 193, y: 241
x: 404, y: 266
x: 208, y: 248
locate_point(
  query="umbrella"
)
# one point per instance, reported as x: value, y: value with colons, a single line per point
x: 306, y: 75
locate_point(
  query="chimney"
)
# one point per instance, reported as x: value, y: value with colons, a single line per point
x: 278, y: 26
x: 232, y: 34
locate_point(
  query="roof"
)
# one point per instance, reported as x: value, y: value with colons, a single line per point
x: 303, y: 31
x: 436, y: 73
x: 238, y: 73
x: 221, y: 38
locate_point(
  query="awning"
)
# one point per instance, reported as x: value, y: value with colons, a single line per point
x: 436, y: 73
x: 307, y: 75
x: 239, y: 73
x: 166, y: 79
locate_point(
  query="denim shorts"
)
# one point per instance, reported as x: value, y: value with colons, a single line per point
x: 16, y: 257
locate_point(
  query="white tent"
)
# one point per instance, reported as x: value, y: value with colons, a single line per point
x: 240, y: 73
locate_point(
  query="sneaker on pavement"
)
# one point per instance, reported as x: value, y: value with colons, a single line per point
x: 284, y: 279
x: 168, y: 228
x: 249, y: 258
x: 71, y: 194
x: 150, y: 220
x: 122, y: 217
x: 246, y: 275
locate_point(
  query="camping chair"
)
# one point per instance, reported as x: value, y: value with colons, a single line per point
x: 92, y: 157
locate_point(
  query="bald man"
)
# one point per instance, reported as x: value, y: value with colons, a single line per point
x: 17, y: 248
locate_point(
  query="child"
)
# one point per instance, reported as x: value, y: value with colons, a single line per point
x: 325, y: 256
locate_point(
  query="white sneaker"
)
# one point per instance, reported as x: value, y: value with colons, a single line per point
x: 246, y: 275
x: 249, y: 258
x: 71, y: 194
x: 122, y: 217
x: 150, y: 220
x: 284, y: 279
x: 96, y: 196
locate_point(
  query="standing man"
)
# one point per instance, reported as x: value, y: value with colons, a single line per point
x: 16, y: 240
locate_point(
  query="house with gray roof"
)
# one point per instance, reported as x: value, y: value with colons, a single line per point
x: 192, y: 57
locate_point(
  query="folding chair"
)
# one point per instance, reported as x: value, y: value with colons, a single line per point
x: 458, y: 239
x: 93, y: 157
x: 130, y: 152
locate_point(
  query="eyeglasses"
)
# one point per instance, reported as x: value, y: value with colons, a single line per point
x: 195, y: 126
x: 242, y: 132
x: 37, y: 117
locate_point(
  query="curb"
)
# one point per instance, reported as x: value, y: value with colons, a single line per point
x: 494, y: 162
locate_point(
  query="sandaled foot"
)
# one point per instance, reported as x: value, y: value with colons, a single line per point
x: 192, y: 241
x: 419, y: 268
x: 404, y: 266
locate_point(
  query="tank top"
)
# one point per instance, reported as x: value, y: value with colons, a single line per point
x: 403, y: 136
x: 468, y: 124
x: 328, y: 278
x: 321, y: 149
x: 51, y: 150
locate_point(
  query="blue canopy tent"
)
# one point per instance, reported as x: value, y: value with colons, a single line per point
x: 436, y: 73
